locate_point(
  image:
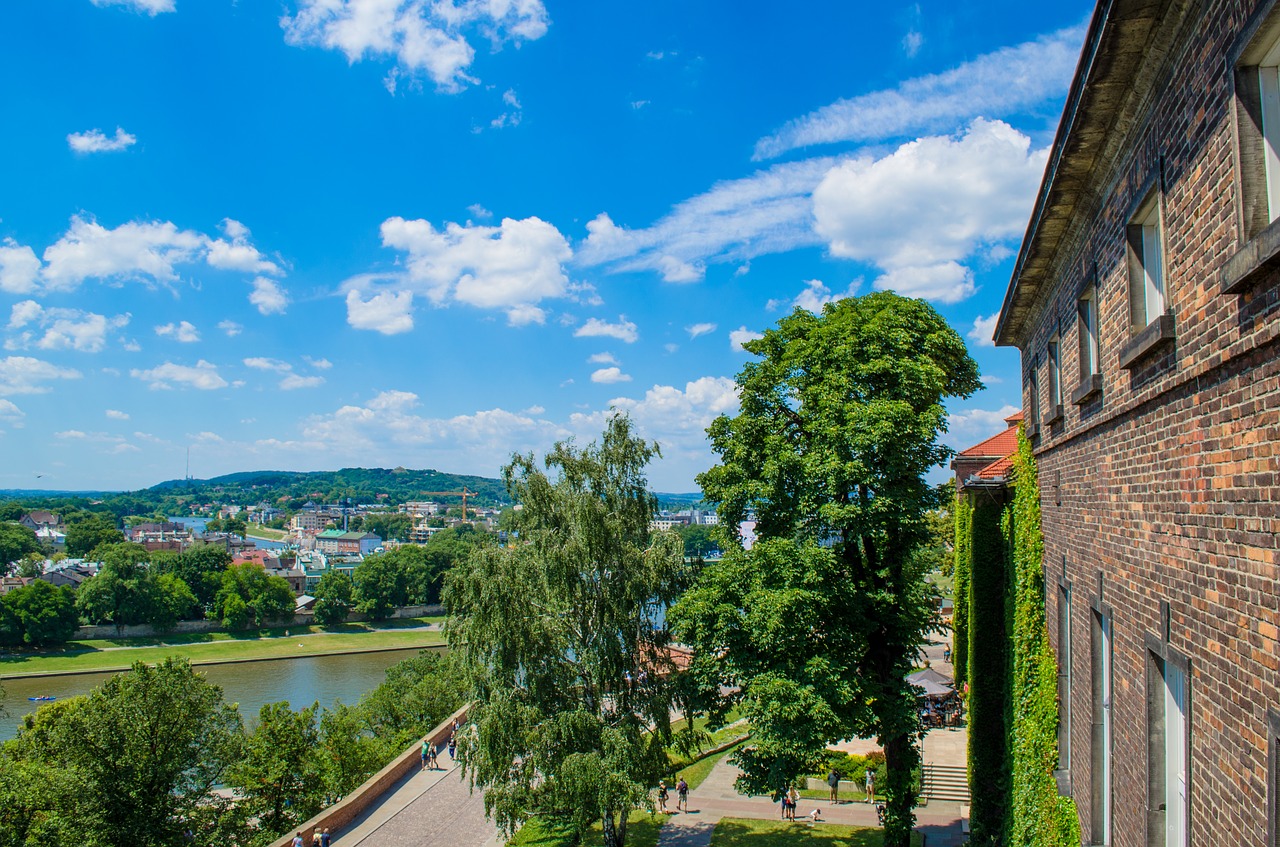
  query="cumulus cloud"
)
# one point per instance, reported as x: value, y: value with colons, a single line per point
x: 318, y: 364
x: 971, y: 425
x: 117, y: 415
x: 148, y: 7
x: 1002, y: 82
x: 603, y: 359
x: 19, y: 268
x: 740, y: 336
x: 269, y: 297
x: 388, y: 312
x: 919, y: 211
x: 230, y: 328
x: 623, y: 330
x: 815, y: 295
x: 60, y: 329
x: 700, y: 329
x: 768, y: 212
x: 420, y: 36
x: 524, y: 315
x: 984, y: 330
x: 184, y: 331
x: 263, y: 363
x: 96, y: 141
x: 236, y: 253
x: 293, y: 382
x: 610, y: 375
x: 145, y: 250
x: 10, y: 412
x: 203, y: 375
x: 25, y: 375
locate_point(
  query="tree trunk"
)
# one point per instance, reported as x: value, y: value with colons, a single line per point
x: 614, y: 835
x: 901, y: 757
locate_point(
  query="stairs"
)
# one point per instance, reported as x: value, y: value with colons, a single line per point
x: 946, y: 782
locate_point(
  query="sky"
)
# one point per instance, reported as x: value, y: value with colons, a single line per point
x: 315, y: 234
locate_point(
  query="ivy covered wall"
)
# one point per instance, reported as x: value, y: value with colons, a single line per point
x: 960, y: 610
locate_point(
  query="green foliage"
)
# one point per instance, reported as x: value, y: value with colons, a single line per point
x: 39, y: 615
x: 249, y: 595
x: 200, y: 566
x: 960, y: 611
x: 350, y: 752
x: 87, y: 530
x: 16, y: 541
x: 333, y: 598
x: 382, y: 582
x: 699, y: 539
x: 990, y: 664
x: 1040, y: 817
x: 279, y: 773
x: 840, y: 421
x: 562, y: 639
x: 417, y: 694
x: 389, y: 525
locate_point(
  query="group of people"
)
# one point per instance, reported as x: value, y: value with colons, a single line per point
x: 833, y: 782
x: 319, y: 838
x: 790, y: 800
x: 431, y: 751
x: 682, y: 796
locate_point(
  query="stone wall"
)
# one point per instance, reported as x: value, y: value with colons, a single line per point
x: 1164, y: 487
x: 305, y: 619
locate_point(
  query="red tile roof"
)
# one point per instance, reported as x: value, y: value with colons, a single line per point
x: 999, y: 445
x: 999, y: 469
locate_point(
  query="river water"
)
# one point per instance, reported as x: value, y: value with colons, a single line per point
x: 301, y: 681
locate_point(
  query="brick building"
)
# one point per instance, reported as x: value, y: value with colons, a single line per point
x: 1144, y: 302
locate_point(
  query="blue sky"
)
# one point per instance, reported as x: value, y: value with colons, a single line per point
x: 325, y: 233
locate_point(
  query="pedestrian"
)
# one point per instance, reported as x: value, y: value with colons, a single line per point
x: 946, y: 654
x: 433, y: 757
x: 682, y: 796
x: 315, y: 838
x: 453, y: 747
x: 297, y: 840
x: 871, y: 784
x: 833, y: 780
x: 795, y: 801
x: 426, y: 754
x: 326, y: 840
x: 815, y: 815
x: 662, y: 795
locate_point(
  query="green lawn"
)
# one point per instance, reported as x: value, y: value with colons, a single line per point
x: 695, y: 773
x: 207, y: 647
x: 642, y: 831
x: 745, y: 832
x: 254, y: 530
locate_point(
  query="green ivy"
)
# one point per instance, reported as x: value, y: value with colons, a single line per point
x: 960, y: 611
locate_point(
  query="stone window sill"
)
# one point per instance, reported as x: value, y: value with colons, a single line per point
x: 1030, y: 430
x: 1261, y: 253
x: 1063, y: 780
x: 1089, y: 387
x: 1054, y: 415
x: 1157, y: 333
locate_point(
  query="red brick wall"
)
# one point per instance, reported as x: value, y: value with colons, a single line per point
x: 1170, y: 482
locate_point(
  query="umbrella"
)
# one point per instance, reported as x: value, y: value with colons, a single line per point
x: 929, y: 674
x: 934, y: 690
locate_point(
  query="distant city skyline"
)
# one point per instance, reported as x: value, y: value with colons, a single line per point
x: 307, y: 236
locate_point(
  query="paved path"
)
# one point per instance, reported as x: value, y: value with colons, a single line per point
x: 426, y: 809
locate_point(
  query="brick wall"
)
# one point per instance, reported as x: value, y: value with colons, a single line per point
x: 1169, y: 481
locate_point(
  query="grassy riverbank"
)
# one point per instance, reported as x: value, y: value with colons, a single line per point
x: 213, y: 647
x: 254, y: 530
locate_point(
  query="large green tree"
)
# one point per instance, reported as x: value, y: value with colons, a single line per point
x: 86, y: 530
x: 840, y: 419
x: 40, y: 613
x: 16, y: 541
x: 564, y: 642
x: 279, y: 774
x: 389, y: 525
x: 200, y: 566
x: 333, y: 598
x: 249, y: 595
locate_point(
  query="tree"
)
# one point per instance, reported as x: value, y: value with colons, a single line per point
x: 124, y: 592
x: 279, y: 773
x: 382, y: 584
x: 147, y: 748
x: 333, y: 598
x: 698, y: 539
x: 839, y: 423
x: 563, y: 642
x: 417, y: 694
x: 45, y: 615
x: 87, y: 530
x: 264, y: 598
x: 350, y: 753
x: 200, y: 566
x: 389, y: 525
x: 16, y: 541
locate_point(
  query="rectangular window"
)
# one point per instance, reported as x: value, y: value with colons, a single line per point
x: 1055, y: 375
x: 1033, y: 387
x: 1064, y: 677
x: 1168, y: 759
x: 1146, y: 263
x: 1100, y: 735
x: 1088, y: 309
x: 1269, y: 91
x: 1273, y: 778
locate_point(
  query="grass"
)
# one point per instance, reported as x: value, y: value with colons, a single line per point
x: 695, y: 773
x: 642, y: 831
x: 260, y: 531
x: 746, y: 832
x: 210, y: 647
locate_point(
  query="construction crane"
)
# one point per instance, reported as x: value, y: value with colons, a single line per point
x: 464, y: 494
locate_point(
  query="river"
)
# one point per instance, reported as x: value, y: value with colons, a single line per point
x: 301, y: 681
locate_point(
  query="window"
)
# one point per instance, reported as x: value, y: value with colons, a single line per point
x: 1168, y: 761
x: 1033, y: 387
x: 1088, y: 309
x: 1064, y: 677
x: 1146, y: 264
x: 1273, y: 778
x: 1100, y: 734
x: 1054, y: 355
x: 1269, y: 94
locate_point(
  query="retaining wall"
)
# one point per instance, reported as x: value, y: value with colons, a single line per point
x: 305, y: 619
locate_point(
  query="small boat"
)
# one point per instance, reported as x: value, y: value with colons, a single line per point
x: 42, y: 699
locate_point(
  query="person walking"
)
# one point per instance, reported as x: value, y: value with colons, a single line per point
x: 662, y: 795
x: 833, y: 781
x: 453, y: 747
x: 297, y: 840
x: 426, y: 753
x: 871, y: 785
x: 433, y: 757
x: 682, y: 796
x: 794, y: 796
x: 326, y: 840
x: 316, y: 839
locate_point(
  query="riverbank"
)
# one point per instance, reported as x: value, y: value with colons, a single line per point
x: 110, y: 655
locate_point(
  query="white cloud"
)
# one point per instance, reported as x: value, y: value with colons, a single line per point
x: 525, y: 314
x: 269, y: 297
x: 515, y: 264
x: 296, y: 381
x: 919, y: 211
x: 912, y: 42
x: 135, y: 250
x: 10, y: 412
x: 768, y: 212
x: 63, y: 329
x: 149, y: 7
x: 480, y: 211
x: 318, y: 364
x: 25, y: 375
x: 700, y: 329
x: 388, y: 312
x: 1002, y: 82
x: 814, y: 296
x: 262, y: 363
x: 185, y: 331
x: 990, y: 379
x: 984, y: 330
x: 511, y: 118
x: 602, y: 359
x: 231, y: 328
x: 975, y: 424
x: 740, y: 336
x: 238, y: 254
x: 421, y: 36
x: 19, y: 268
x: 95, y: 141
x: 623, y: 330
x: 203, y: 376
x: 610, y: 375
x: 117, y: 415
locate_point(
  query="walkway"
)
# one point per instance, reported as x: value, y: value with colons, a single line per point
x: 426, y: 809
